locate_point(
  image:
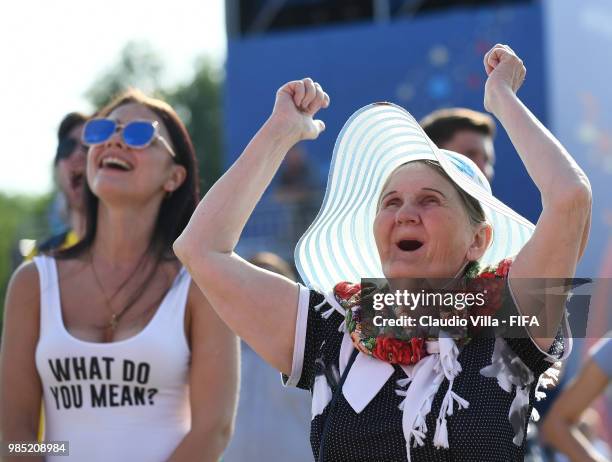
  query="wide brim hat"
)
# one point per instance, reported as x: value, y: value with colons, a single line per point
x: 339, y: 245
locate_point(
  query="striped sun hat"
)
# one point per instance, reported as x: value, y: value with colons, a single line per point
x: 339, y: 245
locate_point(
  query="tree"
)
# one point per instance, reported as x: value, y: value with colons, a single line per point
x: 22, y: 216
x: 199, y: 105
x: 138, y: 66
x: 197, y: 101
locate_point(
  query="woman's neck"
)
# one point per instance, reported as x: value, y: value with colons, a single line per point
x: 77, y: 222
x: 124, y: 234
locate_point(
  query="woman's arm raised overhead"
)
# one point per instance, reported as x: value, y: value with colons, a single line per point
x: 256, y: 304
x: 562, y: 229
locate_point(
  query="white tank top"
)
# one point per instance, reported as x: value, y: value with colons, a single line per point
x: 121, y: 401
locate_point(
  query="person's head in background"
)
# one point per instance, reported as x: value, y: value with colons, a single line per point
x: 69, y: 165
x: 466, y: 132
x: 272, y: 262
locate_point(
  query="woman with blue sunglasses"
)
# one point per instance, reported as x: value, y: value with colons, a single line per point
x: 125, y: 351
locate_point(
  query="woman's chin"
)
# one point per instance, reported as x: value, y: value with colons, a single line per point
x: 111, y: 192
x: 404, y: 271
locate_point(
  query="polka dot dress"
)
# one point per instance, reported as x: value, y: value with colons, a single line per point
x: 482, y: 432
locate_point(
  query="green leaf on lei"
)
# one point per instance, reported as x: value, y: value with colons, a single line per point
x: 370, y: 343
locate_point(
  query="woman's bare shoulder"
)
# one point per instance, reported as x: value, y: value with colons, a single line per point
x: 25, y: 278
x: 23, y: 292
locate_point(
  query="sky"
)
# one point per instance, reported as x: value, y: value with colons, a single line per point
x: 52, y: 52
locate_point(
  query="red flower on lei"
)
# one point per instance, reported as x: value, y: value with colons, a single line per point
x: 397, y: 351
x: 345, y: 290
x: 491, y: 281
x: 503, y: 268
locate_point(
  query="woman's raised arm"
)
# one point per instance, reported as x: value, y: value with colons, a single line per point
x: 256, y: 304
x: 563, y: 227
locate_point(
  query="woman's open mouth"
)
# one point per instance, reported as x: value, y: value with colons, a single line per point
x: 409, y: 245
x: 115, y: 163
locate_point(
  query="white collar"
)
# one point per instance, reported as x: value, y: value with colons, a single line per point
x: 368, y: 375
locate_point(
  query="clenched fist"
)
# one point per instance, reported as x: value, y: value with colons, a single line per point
x: 505, y: 71
x: 296, y: 104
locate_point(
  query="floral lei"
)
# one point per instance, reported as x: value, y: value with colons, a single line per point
x: 397, y: 345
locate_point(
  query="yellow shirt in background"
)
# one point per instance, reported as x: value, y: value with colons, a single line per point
x: 57, y: 242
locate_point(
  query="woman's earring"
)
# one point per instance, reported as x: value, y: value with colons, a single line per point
x: 169, y: 192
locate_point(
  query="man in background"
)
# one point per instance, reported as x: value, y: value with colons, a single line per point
x: 464, y: 131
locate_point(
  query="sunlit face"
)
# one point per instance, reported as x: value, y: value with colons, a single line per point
x: 116, y: 172
x: 422, y: 229
x: 476, y: 146
x: 70, y: 171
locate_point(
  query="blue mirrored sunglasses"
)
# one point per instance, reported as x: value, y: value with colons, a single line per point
x: 137, y: 134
